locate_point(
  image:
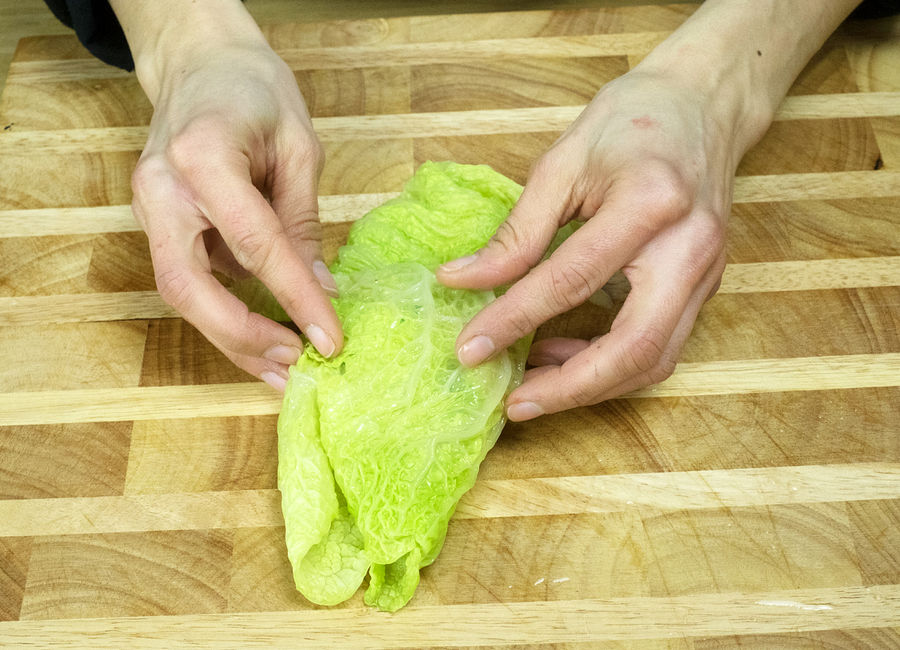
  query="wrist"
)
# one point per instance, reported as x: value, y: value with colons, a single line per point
x: 168, y: 38
x: 742, y: 57
x: 722, y: 84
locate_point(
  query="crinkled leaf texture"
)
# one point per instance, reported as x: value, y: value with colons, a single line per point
x: 376, y: 446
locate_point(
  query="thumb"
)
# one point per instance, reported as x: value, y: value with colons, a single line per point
x: 521, y: 241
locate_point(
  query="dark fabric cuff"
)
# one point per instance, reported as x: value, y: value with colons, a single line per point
x: 876, y: 9
x: 97, y: 28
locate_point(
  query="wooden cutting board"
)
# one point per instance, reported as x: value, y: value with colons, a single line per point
x: 752, y: 499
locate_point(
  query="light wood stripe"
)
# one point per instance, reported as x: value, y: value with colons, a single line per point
x: 727, y: 488
x: 849, y: 105
x: 138, y: 403
x: 664, y: 491
x: 809, y: 275
x: 349, y: 207
x: 140, y: 513
x: 567, y: 47
x: 38, y: 222
x: 62, y: 71
x: 538, y: 622
x: 424, y: 125
x: 83, y: 308
x: 256, y: 398
x: 71, y: 141
x: 383, y: 55
x: 67, y: 221
x: 818, y: 186
x: 779, y: 375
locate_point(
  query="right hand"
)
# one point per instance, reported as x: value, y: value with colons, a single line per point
x: 649, y: 167
x: 228, y: 181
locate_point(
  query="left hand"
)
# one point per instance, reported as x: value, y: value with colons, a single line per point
x: 650, y: 166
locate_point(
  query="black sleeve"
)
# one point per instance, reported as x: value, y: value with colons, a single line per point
x: 97, y: 28
x: 876, y: 9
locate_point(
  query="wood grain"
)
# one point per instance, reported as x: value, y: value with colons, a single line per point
x: 14, y: 556
x: 64, y: 460
x: 861, y: 321
x: 118, y: 218
x: 39, y: 222
x: 225, y: 454
x: 72, y: 361
x: 229, y: 400
x: 875, y: 539
x: 575, y: 495
x: 154, y: 573
x: 817, y: 229
x: 739, y: 278
x: 811, y: 275
x: 515, y: 623
x: 425, y: 125
x: 753, y: 499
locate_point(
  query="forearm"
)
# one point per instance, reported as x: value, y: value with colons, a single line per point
x: 744, y: 55
x: 163, y: 35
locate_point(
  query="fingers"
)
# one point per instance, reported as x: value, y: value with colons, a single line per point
x: 522, y: 239
x: 258, y: 240
x: 641, y: 349
x: 260, y: 346
x: 294, y: 188
x: 575, y: 271
x: 220, y: 258
x: 555, y: 351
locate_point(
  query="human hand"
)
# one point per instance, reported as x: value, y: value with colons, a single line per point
x: 228, y: 181
x: 649, y: 166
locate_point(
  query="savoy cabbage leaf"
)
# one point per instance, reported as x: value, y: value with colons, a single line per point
x: 377, y: 445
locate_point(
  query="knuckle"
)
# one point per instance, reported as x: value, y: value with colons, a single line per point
x: 234, y: 337
x: 644, y: 352
x: 520, y: 321
x: 146, y: 175
x: 508, y: 237
x: 709, y: 231
x: 252, y: 249
x: 317, y: 151
x: 185, y: 149
x: 508, y: 246
x: 706, y: 246
x: 584, y: 393
x: 666, y: 192
x: 318, y: 156
x: 569, y: 286
x: 662, y: 370
x: 174, y: 287
x: 306, y: 228
x: 547, y: 165
x: 715, y: 288
x: 306, y: 149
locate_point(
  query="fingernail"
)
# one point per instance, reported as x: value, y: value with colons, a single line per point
x: 457, y: 264
x: 523, y: 411
x: 323, y: 275
x: 286, y: 354
x: 274, y: 380
x: 475, y: 350
x: 320, y: 340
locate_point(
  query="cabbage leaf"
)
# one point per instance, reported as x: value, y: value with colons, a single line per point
x: 377, y: 445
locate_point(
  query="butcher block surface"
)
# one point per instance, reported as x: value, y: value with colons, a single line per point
x: 751, y: 500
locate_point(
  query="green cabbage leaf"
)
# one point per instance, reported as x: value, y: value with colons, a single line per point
x: 377, y: 445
